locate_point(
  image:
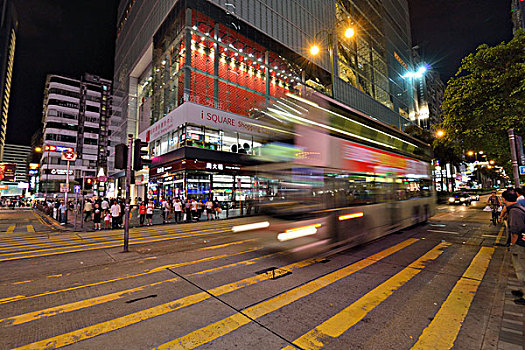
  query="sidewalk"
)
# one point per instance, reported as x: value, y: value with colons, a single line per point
x: 134, y: 221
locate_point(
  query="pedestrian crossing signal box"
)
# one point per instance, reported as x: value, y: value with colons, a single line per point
x: 140, y: 150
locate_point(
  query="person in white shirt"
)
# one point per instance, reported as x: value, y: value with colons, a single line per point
x: 149, y: 212
x: 115, y: 213
x: 105, y: 204
x: 209, y: 209
x: 177, y: 208
x: 165, y: 210
x: 194, y: 209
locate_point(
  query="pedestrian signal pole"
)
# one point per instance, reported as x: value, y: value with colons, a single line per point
x: 514, y: 158
x: 128, y: 192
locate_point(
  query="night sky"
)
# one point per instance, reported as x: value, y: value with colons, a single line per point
x: 70, y: 37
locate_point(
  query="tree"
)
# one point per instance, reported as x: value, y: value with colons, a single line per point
x: 485, y: 98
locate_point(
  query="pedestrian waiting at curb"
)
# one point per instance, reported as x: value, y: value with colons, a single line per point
x: 516, y: 224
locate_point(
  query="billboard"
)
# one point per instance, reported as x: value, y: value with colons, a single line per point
x: 7, y: 172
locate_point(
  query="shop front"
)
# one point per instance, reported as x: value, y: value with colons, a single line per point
x: 199, y: 175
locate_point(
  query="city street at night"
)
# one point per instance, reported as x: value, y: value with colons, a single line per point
x: 255, y: 174
x: 437, y: 285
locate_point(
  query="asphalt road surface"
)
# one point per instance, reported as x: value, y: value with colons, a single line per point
x: 445, y: 284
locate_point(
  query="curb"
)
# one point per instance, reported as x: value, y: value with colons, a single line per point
x: 50, y: 221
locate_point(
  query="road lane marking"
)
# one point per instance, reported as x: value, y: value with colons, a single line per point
x: 124, y: 321
x: 157, y: 269
x: 442, y: 332
x: 338, y: 324
x: 10, y: 229
x: 229, y: 324
x: 500, y: 234
x: 43, y: 241
x: 103, y: 245
x: 438, y: 231
x: 226, y: 244
x: 30, y: 228
x: 74, y: 306
x: 490, y: 236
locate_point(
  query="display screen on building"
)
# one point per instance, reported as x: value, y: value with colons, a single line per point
x: 7, y: 172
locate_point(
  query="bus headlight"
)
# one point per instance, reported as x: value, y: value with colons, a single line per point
x: 298, y: 232
x: 462, y: 199
x: 451, y: 199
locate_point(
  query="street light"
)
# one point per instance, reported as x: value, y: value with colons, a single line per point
x: 417, y: 74
x: 492, y: 162
x: 38, y: 149
x: 315, y: 49
x: 470, y: 153
x: 440, y: 133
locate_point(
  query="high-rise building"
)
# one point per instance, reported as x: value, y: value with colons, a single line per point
x: 17, y: 154
x: 518, y: 14
x: 179, y: 62
x: 8, y: 32
x: 429, y: 93
x: 75, y: 117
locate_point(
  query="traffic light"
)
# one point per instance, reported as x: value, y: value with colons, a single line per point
x: 140, y: 149
x: 121, y: 156
x: 88, y: 185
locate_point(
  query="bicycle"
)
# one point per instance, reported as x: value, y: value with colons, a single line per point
x: 495, y: 214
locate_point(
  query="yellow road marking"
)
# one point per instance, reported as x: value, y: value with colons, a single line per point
x: 30, y: 228
x: 39, y: 218
x: 32, y: 316
x: 124, y: 321
x: 338, y: 324
x: 157, y: 269
x: 22, y: 282
x: 500, y: 234
x: 227, y: 244
x: 54, y: 276
x: 444, y: 328
x: 57, y: 310
x: 98, y: 238
x: 86, y: 247
x: 10, y: 229
x: 229, y: 324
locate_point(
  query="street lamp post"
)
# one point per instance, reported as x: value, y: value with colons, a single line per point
x: 315, y: 49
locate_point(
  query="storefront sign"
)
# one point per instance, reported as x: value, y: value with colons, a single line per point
x: 58, y: 171
x: 207, y: 116
x: 162, y: 169
x: 214, y: 166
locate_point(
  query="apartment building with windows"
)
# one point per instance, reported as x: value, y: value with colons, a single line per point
x: 75, y: 117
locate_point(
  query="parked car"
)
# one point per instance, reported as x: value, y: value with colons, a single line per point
x: 459, y: 198
x: 474, y: 196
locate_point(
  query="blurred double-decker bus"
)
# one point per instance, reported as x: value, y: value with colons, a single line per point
x: 340, y: 179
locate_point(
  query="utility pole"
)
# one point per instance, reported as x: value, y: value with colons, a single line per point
x: 514, y: 158
x: 128, y: 193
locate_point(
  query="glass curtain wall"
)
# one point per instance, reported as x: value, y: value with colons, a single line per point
x: 362, y: 60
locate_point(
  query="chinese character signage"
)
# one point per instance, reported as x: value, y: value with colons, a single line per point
x: 7, y: 172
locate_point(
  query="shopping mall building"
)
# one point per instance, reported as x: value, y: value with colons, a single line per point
x: 191, y: 75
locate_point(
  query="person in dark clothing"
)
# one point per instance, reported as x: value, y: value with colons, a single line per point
x: 516, y: 229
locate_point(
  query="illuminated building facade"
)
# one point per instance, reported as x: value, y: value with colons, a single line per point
x: 8, y: 32
x: 178, y: 62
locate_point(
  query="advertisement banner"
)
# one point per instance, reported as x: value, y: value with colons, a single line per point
x: 369, y: 160
x: 7, y: 172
